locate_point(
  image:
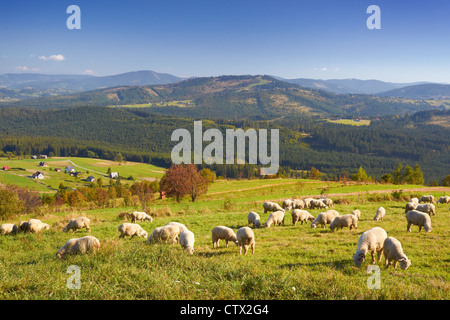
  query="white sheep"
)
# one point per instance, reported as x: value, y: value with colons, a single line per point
x: 223, y: 233
x: 418, y: 218
x: 137, y: 216
x: 131, y: 230
x: 287, y: 204
x: 78, y: 223
x: 444, y: 200
x: 275, y: 218
x: 328, y: 202
x: 324, y: 218
x: 298, y: 204
x: 164, y: 234
x: 411, y: 205
x: 301, y: 215
x: 379, y: 215
x: 414, y: 200
x: 187, y: 240
x: 78, y: 245
x: 357, y: 213
x: 35, y: 225
x: 8, y: 228
x: 271, y: 207
x: 179, y: 227
x: 254, y: 219
x: 307, y: 202
x: 427, y: 198
x: 347, y: 220
x: 246, y: 239
x: 427, y: 208
x: 370, y: 241
x: 393, y: 252
x: 313, y: 204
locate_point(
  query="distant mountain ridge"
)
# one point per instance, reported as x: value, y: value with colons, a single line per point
x: 421, y: 91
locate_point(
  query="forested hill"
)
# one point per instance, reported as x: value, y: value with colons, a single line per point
x: 232, y: 97
x: 140, y: 135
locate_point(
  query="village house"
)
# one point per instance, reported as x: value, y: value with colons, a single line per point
x: 90, y: 179
x: 38, y: 175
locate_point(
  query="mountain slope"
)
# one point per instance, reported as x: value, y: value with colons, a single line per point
x: 422, y: 91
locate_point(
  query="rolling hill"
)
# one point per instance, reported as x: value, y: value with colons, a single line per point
x: 421, y: 91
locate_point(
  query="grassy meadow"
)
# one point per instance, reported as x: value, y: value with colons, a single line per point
x: 290, y: 262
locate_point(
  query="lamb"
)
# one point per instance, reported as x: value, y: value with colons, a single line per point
x: 276, y: 218
x: 78, y: 223
x: 427, y: 198
x: 301, y: 215
x: 8, y: 228
x: 78, y: 245
x: 379, y: 215
x: 371, y: 241
x: 164, y: 234
x: 324, y: 218
x: 35, y: 225
x: 246, y: 239
x: 317, y: 204
x: 272, y: 206
x: 393, y: 251
x: 187, y: 240
x: 254, y: 219
x: 411, y: 206
x: 140, y: 216
x: 223, y: 233
x: 298, y: 204
x: 347, y: 220
x: 419, y: 219
x: 131, y: 230
x: 427, y: 208
x: 444, y: 200
x: 287, y: 204
x: 357, y: 213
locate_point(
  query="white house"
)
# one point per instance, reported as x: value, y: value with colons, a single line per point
x: 114, y: 175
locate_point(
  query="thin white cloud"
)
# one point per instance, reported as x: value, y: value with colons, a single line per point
x: 89, y: 72
x: 54, y: 57
x: 323, y: 69
x: 25, y: 68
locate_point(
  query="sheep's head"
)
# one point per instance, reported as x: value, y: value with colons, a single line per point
x: 358, y: 258
x: 404, y: 263
x: 143, y: 234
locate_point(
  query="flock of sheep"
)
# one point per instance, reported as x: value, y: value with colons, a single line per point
x: 374, y: 241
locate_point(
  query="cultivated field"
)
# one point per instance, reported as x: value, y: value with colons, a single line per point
x: 290, y: 262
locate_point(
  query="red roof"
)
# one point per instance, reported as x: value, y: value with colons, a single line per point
x: 6, y: 168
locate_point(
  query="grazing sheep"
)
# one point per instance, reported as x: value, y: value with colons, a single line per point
x: 298, y: 204
x: 328, y: 202
x: 393, y: 251
x: 287, y: 204
x: 427, y: 198
x: 324, y: 218
x: 78, y: 223
x: 164, y: 234
x: 223, y: 233
x: 78, y: 245
x: 131, y: 230
x: 254, y: 219
x: 347, y: 220
x: 317, y: 204
x: 370, y: 241
x: 276, y: 218
x: 301, y: 215
x: 419, y: 219
x: 357, y: 213
x: 187, y: 240
x: 444, y: 200
x: 272, y: 206
x: 24, y: 226
x: 427, y: 208
x: 179, y: 227
x: 414, y: 200
x: 307, y: 202
x: 35, y: 225
x: 137, y: 216
x: 411, y: 206
x: 246, y: 239
x: 8, y: 228
x: 379, y: 215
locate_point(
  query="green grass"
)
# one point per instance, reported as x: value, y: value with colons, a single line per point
x: 351, y: 122
x: 289, y: 263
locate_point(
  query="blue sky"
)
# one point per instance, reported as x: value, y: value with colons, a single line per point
x: 291, y: 39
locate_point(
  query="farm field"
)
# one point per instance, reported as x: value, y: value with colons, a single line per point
x: 290, y: 262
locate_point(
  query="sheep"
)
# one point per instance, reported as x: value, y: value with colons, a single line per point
x: 179, y: 227
x: 328, y: 202
x: 427, y: 198
x: 414, y: 200
x: 131, y: 230
x: 444, y: 200
x: 371, y: 241
x: 187, y: 240
x: 8, y: 228
x: 272, y: 207
x: 254, y: 219
x: 427, y: 208
x: 140, y: 216
x: 78, y: 223
x: 356, y: 213
x: 164, y: 234
x: 35, y: 225
x: 379, y: 215
x: 246, y: 239
x: 393, y: 251
x: 301, y: 215
x: 78, y: 245
x: 276, y: 218
x: 24, y: 226
x: 287, y: 204
x: 411, y: 206
x: 298, y: 204
x: 317, y: 204
x: 223, y: 233
x: 347, y: 220
x: 307, y: 202
x: 419, y: 219
x: 324, y: 218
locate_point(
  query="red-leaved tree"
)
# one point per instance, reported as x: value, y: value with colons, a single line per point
x: 183, y: 179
